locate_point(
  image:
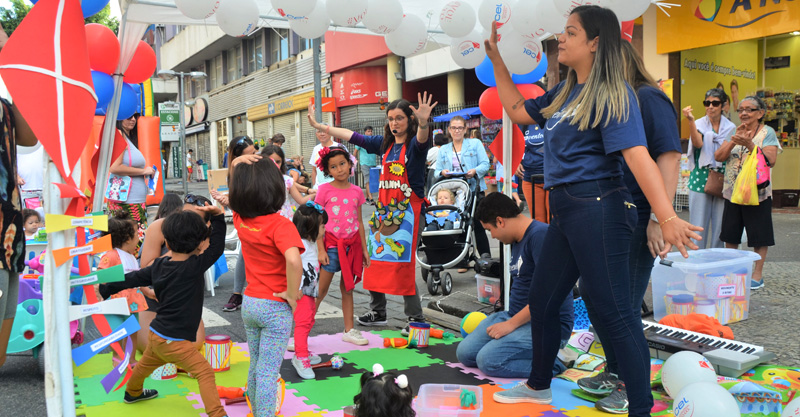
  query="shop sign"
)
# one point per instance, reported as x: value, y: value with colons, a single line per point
x: 366, y: 85
x: 699, y: 23
x: 169, y: 113
x: 280, y: 106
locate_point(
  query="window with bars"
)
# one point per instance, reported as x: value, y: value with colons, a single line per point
x: 279, y: 45
x: 255, y: 54
x: 235, y: 63
x: 215, y: 74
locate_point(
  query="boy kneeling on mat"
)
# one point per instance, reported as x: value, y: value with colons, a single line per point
x: 178, y: 283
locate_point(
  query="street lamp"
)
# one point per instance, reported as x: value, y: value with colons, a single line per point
x: 167, y: 75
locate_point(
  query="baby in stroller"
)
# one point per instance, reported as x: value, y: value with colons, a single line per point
x: 443, y: 218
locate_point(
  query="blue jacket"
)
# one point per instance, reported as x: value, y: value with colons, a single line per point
x: 473, y: 156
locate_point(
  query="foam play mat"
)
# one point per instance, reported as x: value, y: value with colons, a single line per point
x: 762, y: 391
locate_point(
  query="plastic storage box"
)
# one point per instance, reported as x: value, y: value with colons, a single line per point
x: 488, y: 289
x: 445, y: 400
x: 714, y: 282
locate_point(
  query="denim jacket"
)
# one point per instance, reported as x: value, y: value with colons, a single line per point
x: 473, y: 156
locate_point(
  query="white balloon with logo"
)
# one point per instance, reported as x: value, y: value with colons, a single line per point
x: 314, y: 25
x: 468, y: 51
x: 520, y: 53
x: 545, y: 15
x: 197, y: 9
x: 237, y: 17
x: 792, y: 409
x: 409, y: 38
x: 494, y: 11
x: 457, y: 19
x: 627, y: 9
x: 566, y: 6
x: 684, y: 368
x: 383, y: 16
x: 347, y: 12
x: 705, y: 399
x: 294, y: 8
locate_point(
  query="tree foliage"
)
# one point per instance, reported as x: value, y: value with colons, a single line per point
x: 12, y: 17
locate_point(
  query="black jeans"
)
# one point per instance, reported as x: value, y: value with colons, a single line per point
x: 589, y: 237
x: 481, y: 239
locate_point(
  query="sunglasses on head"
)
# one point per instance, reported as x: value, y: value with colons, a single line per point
x: 197, y: 200
x: 715, y: 103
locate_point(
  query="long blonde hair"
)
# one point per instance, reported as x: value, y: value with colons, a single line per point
x: 635, y: 72
x: 605, y: 94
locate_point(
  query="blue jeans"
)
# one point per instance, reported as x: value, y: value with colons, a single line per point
x: 589, y: 237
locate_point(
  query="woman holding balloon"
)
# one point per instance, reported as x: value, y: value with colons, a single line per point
x: 392, y: 240
x: 591, y: 122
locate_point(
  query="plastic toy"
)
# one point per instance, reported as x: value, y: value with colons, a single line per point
x: 441, y: 334
x: 398, y: 342
x: 470, y: 322
x: 336, y: 363
x: 468, y: 399
x: 37, y: 264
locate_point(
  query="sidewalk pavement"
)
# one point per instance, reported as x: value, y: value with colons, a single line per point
x: 772, y: 314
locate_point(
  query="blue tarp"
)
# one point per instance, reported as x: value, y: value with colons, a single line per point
x: 465, y: 113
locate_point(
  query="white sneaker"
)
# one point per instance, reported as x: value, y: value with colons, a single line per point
x: 314, y: 359
x: 290, y: 346
x: 303, y: 367
x: 354, y: 336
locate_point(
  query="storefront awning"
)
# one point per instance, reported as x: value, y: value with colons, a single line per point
x: 465, y: 113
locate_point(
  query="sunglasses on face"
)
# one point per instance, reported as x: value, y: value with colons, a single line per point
x: 715, y: 103
x: 197, y: 200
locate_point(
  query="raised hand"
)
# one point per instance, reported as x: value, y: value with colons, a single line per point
x: 491, y: 45
x: 687, y: 113
x: 311, y: 120
x: 423, y: 112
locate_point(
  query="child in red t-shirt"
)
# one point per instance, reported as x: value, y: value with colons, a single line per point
x: 271, y: 248
x: 345, y: 244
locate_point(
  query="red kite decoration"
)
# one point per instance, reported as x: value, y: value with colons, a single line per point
x: 45, y: 66
x: 517, y: 147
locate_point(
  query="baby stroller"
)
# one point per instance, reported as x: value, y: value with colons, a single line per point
x: 447, y: 237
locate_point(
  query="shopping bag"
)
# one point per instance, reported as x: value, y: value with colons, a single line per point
x: 745, y: 189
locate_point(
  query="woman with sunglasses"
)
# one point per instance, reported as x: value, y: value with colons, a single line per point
x: 707, y: 134
x: 132, y: 164
x: 752, y: 135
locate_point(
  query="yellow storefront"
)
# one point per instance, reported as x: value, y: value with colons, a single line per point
x: 750, y: 44
x: 288, y: 118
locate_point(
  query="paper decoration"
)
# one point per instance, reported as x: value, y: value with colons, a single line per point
x: 114, y: 274
x: 100, y: 321
x: 517, y: 147
x: 45, y: 65
x: 59, y: 222
x: 109, y: 380
x: 96, y: 246
x: 83, y: 353
x: 118, y: 306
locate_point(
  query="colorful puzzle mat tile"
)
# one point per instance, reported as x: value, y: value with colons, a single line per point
x: 330, y: 344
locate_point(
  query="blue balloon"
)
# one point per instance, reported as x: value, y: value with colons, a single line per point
x: 92, y: 7
x: 532, y: 76
x: 485, y: 73
x: 103, y: 87
x: 100, y: 111
x: 127, y: 103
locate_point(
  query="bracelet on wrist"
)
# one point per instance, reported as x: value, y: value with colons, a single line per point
x: 668, y: 220
x: 423, y: 126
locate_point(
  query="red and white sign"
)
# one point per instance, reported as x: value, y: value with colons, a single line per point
x: 328, y: 104
x: 365, y: 85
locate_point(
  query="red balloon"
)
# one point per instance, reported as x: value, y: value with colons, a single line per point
x: 103, y: 48
x: 490, y: 105
x: 142, y: 66
x: 530, y: 90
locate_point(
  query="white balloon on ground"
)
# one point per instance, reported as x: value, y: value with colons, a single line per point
x: 684, y: 368
x: 409, y: 38
x: 627, y: 9
x: 314, y: 25
x: 566, y: 6
x: 792, y: 409
x: 383, y: 16
x: 457, y: 19
x: 521, y: 54
x: 197, y: 9
x: 705, y: 399
x: 294, y: 8
x: 346, y: 12
x: 494, y: 11
x: 237, y: 17
x: 468, y: 51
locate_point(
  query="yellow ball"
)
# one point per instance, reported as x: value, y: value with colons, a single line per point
x: 470, y: 322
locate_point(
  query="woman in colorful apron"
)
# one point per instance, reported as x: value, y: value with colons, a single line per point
x: 394, y: 227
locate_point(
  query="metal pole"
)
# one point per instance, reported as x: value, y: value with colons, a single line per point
x: 316, y: 46
x: 106, y: 147
x: 508, y: 189
x: 181, y: 109
x: 58, y: 379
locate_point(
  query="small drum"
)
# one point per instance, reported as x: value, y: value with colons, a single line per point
x: 218, y: 351
x: 419, y: 332
x: 164, y: 372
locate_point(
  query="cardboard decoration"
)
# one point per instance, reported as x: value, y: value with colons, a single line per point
x: 45, y: 65
x: 59, y: 222
x: 517, y: 148
x: 100, y: 245
x: 109, y: 380
x: 117, y: 306
x: 86, y: 351
x: 114, y: 274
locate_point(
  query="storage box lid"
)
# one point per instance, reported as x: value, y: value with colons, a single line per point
x: 705, y: 259
x: 485, y: 278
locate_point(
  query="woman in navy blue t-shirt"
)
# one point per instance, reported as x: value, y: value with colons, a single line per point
x: 591, y: 122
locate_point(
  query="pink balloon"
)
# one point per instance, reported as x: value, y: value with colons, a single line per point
x: 142, y: 66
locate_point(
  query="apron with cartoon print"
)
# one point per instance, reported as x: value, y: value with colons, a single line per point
x: 393, y: 230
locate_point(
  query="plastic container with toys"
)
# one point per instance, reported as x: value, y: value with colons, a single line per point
x: 715, y: 282
x: 488, y: 289
x: 450, y: 400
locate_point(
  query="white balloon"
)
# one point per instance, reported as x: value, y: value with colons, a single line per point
x: 457, y: 19
x: 346, y: 12
x: 627, y: 9
x: 197, y: 9
x: 684, y: 368
x: 527, y: 19
x: 383, y: 16
x: 792, y: 409
x: 566, y: 6
x: 468, y: 51
x: 314, y: 25
x: 494, y: 11
x: 409, y: 38
x: 705, y: 399
x: 237, y: 17
x: 293, y: 9
x: 521, y: 54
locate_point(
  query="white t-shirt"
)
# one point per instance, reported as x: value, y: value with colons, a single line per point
x: 432, y: 154
x: 188, y: 160
x: 30, y: 166
x: 321, y: 178
x: 310, y: 260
